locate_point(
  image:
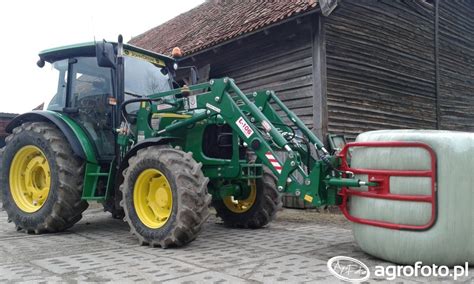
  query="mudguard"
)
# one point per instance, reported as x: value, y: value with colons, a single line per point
x: 74, y: 134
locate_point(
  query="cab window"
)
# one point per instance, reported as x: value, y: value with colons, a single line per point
x: 142, y: 79
x: 91, y: 86
x: 59, y: 70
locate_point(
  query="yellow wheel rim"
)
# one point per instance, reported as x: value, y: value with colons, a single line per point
x: 241, y: 206
x: 30, y: 179
x: 152, y: 198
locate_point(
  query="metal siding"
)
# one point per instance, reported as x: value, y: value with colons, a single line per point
x: 380, y: 71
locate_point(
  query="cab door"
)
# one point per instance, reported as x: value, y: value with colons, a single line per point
x: 89, y: 89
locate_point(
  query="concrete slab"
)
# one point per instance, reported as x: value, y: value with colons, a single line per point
x: 101, y: 249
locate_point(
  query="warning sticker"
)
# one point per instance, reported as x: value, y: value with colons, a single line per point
x: 192, y: 102
x: 214, y: 108
x: 273, y: 161
x: 244, y: 127
x: 266, y: 126
x: 145, y: 57
x: 163, y: 106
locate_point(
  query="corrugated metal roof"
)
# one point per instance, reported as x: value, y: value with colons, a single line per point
x: 216, y: 21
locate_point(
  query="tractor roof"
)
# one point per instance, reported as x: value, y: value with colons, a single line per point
x: 88, y: 49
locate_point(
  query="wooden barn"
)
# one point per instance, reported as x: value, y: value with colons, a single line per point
x: 372, y: 64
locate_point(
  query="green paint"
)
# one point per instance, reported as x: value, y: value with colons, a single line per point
x: 91, y: 177
x: 86, y: 144
x: 92, y: 169
x: 246, y: 114
x: 251, y: 123
x: 92, y: 174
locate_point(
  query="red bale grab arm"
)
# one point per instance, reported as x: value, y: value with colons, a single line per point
x: 382, y: 190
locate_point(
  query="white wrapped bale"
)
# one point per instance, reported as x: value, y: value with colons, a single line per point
x: 450, y: 241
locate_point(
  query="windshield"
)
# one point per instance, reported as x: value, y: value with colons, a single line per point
x: 143, y: 78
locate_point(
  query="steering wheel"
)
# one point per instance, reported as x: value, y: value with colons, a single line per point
x: 94, y: 107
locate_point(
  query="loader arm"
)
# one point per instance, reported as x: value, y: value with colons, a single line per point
x: 253, y: 118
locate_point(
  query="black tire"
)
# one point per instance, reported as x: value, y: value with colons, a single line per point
x: 63, y: 206
x: 190, y: 201
x: 109, y: 206
x: 263, y: 210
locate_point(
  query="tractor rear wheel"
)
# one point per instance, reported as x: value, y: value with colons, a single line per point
x: 165, y: 196
x: 41, y: 179
x: 257, y: 209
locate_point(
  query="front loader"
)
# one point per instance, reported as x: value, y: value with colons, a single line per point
x: 121, y: 131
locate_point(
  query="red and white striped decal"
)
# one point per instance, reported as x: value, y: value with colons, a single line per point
x: 273, y: 161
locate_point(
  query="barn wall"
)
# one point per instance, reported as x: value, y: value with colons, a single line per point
x: 380, y: 67
x: 456, y: 49
x: 279, y: 59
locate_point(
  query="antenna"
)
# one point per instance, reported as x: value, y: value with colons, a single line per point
x: 93, y: 28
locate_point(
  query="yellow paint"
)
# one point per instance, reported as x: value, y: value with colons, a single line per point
x: 308, y: 198
x: 145, y: 57
x: 30, y: 179
x: 241, y: 206
x: 170, y: 115
x: 153, y: 198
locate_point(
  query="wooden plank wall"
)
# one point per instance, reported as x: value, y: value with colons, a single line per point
x: 380, y: 65
x: 456, y: 47
x: 380, y: 70
x: 279, y: 59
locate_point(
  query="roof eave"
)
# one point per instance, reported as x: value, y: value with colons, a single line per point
x: 242, y: 36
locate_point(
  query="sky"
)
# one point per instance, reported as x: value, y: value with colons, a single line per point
x: 27, y: 27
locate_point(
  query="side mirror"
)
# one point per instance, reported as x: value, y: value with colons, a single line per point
x: 105, y: 54
x: 337, y: 142
x: 193, y: 75
x: 40, y: 63
x: 187, y: 74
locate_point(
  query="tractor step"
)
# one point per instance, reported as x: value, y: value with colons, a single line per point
x: 93, y: 174
x: 98, y: 174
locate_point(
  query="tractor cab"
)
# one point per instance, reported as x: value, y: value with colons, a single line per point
x: 87, y: 87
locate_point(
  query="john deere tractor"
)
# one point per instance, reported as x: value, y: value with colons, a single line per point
x: 121, y: 131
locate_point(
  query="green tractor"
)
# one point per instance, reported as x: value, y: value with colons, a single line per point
x: 121, y: 131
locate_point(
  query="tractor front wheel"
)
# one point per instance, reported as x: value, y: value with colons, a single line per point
x: 41, y: 179
x: 165, y: 196
x: 254, y: 211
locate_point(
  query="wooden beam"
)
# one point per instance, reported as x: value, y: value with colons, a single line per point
x: 436, y: 64
x: 320, y: 110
